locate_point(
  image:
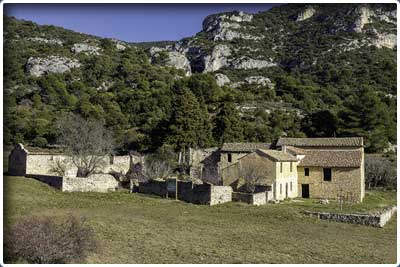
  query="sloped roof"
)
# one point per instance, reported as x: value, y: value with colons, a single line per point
x: 244, y: 147
x: 331, y: 158
x: 295, y: 150
x: 321, y: 142
x: 278, y: 155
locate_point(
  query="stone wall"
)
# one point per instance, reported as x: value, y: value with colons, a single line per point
x: 220, y: 194
x: 187, y: 191
x: 23, y: 162
x: 345, y: 181
x: 376, y: 220
x: 17, y: 161
x: 250, y: 198
x: 93, y: 183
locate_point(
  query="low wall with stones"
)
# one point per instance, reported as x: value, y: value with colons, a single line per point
x: 187, y: 191
x: 220, y: 194
x: 250, y: 198
x: 93, y: 183
x: 376, y: 220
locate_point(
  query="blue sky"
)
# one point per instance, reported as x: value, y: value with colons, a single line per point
x: 128, y: 22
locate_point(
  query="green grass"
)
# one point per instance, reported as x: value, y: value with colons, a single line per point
x: 135, y: 228
x: 374, y: 201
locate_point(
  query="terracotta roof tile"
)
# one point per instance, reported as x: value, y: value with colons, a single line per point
x: 244, y: 147
x: 331, y: 158
x: 278, y: 155
x: 322, y: 142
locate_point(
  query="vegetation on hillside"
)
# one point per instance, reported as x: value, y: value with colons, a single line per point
x: 336, y: 93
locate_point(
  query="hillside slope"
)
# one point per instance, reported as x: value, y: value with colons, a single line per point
x: 297, y: 70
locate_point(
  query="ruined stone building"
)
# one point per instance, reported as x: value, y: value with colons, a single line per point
x: 23, y: 162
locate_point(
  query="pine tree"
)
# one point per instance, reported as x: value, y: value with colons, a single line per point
x: 228, y: 126
x: 188, y: 126
x: 367, y: 116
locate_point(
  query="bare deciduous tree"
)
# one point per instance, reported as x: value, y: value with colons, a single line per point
x: 86, y: 141
x: 252, y: 174
x: 155, y: 168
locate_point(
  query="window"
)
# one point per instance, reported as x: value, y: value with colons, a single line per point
x: 280, y: 189
x: 291, y: 166
x: 281, y: 167
x: 229, y: 157
x: 291, y: 189
x: 327, y: 174
x: 306, y: 172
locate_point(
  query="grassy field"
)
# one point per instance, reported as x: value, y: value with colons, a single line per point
x: 134, y: 228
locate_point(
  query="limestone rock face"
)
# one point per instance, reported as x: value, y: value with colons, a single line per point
x: 250, y: 63
x: 52, y: 64
x: 88, y: 49
x: 175, y: 59
x: 118, y: 44
x: 259, y: 80
x: 364, y: 15
x: 226, y: 27
x: 217, y: 59
x: 221, y: 79
x: 46, y: 41
x: 388, y: 40
x: 306, y: 14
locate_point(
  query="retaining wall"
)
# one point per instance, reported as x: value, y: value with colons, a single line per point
x: 376, y: 220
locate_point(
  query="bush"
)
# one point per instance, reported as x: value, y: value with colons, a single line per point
x: 39, y: 142
x: 48, y: 240
x: 380, y: 172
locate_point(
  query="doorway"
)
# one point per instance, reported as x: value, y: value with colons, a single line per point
x: 287, y: 190
x: 305, y: 191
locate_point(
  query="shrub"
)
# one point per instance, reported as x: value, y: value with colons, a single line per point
x: 39, y: 142
x: 380, y: 172
x: 49, y: 240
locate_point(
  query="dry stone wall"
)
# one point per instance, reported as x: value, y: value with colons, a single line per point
x: 376, y: 220
x: 94, y: 183
x: 256, y: 199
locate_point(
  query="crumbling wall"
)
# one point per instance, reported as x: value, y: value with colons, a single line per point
x: 93, y: 183
x: 220, y: 194
x: 17, y: 161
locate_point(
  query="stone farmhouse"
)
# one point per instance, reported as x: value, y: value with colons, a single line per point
x: 325, y: 168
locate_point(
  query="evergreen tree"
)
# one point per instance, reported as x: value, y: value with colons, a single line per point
x: 228, y: 126
x: 367, y: 116
x: 187, y: 125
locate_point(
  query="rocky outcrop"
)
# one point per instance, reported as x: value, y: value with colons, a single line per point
x: 86, y: 48
x: 227, y: 27
x: 46, y: 41
x: 174, y: 59
x: 387, y: 40
x: 221, y: 79
x: 306, y: 14
x: 52, y: 64
x: 218, y: 58
x: 258, y: 80
x: 250, y: 63
x: 118, y: 44
x: 364, y: 14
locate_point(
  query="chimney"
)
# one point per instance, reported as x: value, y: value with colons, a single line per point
x: 284, y: 148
